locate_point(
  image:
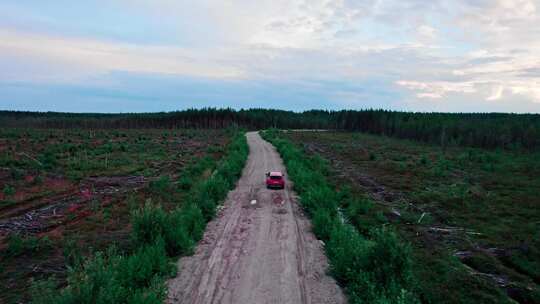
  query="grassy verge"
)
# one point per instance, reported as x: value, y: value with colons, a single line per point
x: 371, y: 263
x: 157, y: 236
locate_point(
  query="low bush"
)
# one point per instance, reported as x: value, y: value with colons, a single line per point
x: 152, y: 223
x: 193, y: 171
x: 346, y: 250
x: 140, y: 269
x: 8, y: 190
x: 16, y: 173
x: 112, y: 278
x: 323, y: 223
x: 374, y: 270
x: 18, y: 245
x: 390, y: 261
x: 72, y: 254
x: 162, y: 187
x: 319, y: 198
x: 192, y: 220
x: 48, y: 159
x: 148, y: 223
x: 207, y: 195
x: 361, y: 213
x: 185, y: 182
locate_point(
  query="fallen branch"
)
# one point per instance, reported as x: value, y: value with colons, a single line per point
x: 31, y: 158
x: 453, y: 229
x: 421, y: 217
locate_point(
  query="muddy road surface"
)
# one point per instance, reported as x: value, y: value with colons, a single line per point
x: 259, y: 249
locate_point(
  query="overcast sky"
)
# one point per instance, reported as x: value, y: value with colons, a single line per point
x: 162, y: 55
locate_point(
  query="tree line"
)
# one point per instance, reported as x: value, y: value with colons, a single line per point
x: 486, y: 130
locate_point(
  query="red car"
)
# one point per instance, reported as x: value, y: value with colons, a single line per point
x: 275, y: 179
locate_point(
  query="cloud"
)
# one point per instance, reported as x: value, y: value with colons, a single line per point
x: 437, y: 89
x: 88, y: 56
x: 497, y: 69
x: 427, y: 31
x: 497, y: 93
x: 398, y: 54
x: 489, y: 91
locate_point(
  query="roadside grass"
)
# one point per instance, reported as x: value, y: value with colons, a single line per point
x: 374, y: 266
x: 485, y: 202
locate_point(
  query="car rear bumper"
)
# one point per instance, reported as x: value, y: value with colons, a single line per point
x: 275, y: 186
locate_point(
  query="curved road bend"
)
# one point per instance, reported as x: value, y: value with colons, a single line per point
x: 259, y: 249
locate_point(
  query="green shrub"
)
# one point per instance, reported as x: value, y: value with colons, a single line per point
x: 206, y: 204
x: 376, y: 270
x: 193, y: 221
x: 319, y: 198
x: 151, y: 223
x: 210, y: 193
x: 148, y: 223
x: 48, y: 159
x: 8, y: 190
x: 139, y: 269
x: 18, y: 245
x: 185, y: 182
x: 75, y: 175
x: 112, y: 278
x: 323, y: 223
x: 72, y: 254
x: 390, y: 259
x: 44, y: 292
x: 16, y: 173
x: 200, y: 166
x: 177, y: 235
x: 216, y: 187
x: 162, y: 186
x: 346, y: 250
x: 361, y: 213
x: 527, y: 257
x: 38, y: 180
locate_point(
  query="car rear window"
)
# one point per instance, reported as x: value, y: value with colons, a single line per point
x: 275, y: 177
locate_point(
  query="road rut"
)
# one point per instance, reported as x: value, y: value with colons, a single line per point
x: 259, y: 249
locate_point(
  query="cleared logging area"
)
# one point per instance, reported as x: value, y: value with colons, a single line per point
x: 485, y: 130
x: 431, y: 220
x: 471, y: 216
x: 99, y: 213
x: 157, y: 235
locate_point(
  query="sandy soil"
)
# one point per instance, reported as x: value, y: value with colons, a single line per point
x: 259, y: 249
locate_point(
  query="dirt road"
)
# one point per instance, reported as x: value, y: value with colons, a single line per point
x: 259, y: 249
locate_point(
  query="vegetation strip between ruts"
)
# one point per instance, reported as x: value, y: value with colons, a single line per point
x: 157, y: 236
x: 374, y: 267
